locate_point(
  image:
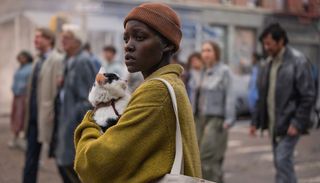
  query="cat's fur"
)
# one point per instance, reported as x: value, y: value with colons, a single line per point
x: 107, y: 87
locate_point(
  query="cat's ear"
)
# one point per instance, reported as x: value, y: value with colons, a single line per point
x: 101, y: 79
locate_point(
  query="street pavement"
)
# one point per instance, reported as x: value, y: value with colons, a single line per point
x: 248, y: 160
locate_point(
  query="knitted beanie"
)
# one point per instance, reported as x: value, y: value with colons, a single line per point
x: 161, y: 18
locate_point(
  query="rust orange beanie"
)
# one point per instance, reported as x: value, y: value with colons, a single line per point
x: 161, y: 18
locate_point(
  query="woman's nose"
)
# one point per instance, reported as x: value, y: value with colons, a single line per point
x: 129, y: 47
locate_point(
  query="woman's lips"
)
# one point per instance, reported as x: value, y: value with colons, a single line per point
x: 129, y: 62
x: 129, y: 59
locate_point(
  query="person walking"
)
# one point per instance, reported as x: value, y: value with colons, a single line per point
x: 253, y: 89
x: 194, y: 75
x: 19, y: 90
x: 95, y: 60
x: 42, y: 91
x: 141, y: 146
x: 217, y: 112
x: 79, y: 74
x: 286, y: 95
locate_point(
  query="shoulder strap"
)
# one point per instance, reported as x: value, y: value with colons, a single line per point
x: 177, y: 164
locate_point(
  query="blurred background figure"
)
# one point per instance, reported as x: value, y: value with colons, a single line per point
x: 96, y: 62
x: 79, y: 74
x: 253, y: 90
x: 286, y: 96
x: 19, y: 90
x: 42, y: 90
x: 134, y: 81
x: 217, y: 112
x: 194, y: 74
x: 111, y: 65
x: 175, y: 59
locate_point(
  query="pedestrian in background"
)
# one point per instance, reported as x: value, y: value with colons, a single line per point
x: 134, y: 81
x: 110, y: 65
x: 193, y: 78
x: 253, y: 89
x: 286, y: 96
x: 79, y: 75
x: 19, y: 90
x: 96, y: 62
x: 194, y: 74
x: 42, y: 90
x: 217, y: 112
x: 140, y: 147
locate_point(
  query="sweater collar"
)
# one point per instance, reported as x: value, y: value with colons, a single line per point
x: 168, y: 69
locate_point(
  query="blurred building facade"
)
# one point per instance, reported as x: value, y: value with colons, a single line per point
x: 234, y: 24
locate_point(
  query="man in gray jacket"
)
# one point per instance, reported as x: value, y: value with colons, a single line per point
x: 79, y: 74
x: 286, y: 94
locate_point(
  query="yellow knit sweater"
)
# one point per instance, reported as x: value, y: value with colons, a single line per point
x: 140, y: 147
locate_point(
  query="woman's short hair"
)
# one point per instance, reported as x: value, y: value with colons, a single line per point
x: 216, y: 49
x: 191, y: 56
x: 110, y: 48
x: 25, y: 54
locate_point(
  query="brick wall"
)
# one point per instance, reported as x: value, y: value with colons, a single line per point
x: 295, y: 6
x: 240, y: 2
x: 314, y: 6
x: 268, y: 4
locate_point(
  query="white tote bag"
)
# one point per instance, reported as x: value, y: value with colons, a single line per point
x: 176, y: 174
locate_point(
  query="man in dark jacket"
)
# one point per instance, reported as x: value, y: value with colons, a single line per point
x: 286, y: 95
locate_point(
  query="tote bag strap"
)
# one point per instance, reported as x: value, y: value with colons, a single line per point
x: 177, y: 167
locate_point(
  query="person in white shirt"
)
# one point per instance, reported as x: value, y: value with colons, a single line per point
x: 110, y: 65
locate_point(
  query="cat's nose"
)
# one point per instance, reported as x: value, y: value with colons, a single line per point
x: 101, y: 79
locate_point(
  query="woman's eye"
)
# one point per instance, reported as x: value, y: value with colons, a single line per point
x: 139, y: 38
x: 125, y: 39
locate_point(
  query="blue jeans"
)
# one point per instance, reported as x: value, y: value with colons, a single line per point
x: 283, y: 149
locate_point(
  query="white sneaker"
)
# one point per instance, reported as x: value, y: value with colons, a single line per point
x: 13, y: 144
x: 22, y: 144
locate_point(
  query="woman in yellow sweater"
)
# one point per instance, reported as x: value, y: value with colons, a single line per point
x: 141, y: 146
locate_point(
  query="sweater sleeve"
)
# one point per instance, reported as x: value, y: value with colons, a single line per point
x: 230, y: 103
x: 140, y: 138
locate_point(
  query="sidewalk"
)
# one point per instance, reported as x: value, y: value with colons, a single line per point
x: 12, y: 160
x: 248, y: 160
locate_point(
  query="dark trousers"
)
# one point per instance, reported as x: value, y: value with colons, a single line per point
x: 32, y: 154
x: 68, y: 174
x: 283, y: 149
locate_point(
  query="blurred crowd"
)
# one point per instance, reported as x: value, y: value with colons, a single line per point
x: 51, y: 90
x: 50, y: 96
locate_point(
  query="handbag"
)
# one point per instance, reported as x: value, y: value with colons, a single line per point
x: 176, y: 174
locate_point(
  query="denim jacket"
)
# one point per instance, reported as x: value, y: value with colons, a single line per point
x: 20, y: 80
x: 217, y: 97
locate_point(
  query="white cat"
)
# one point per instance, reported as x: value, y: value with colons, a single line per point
x: 109, y: 96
